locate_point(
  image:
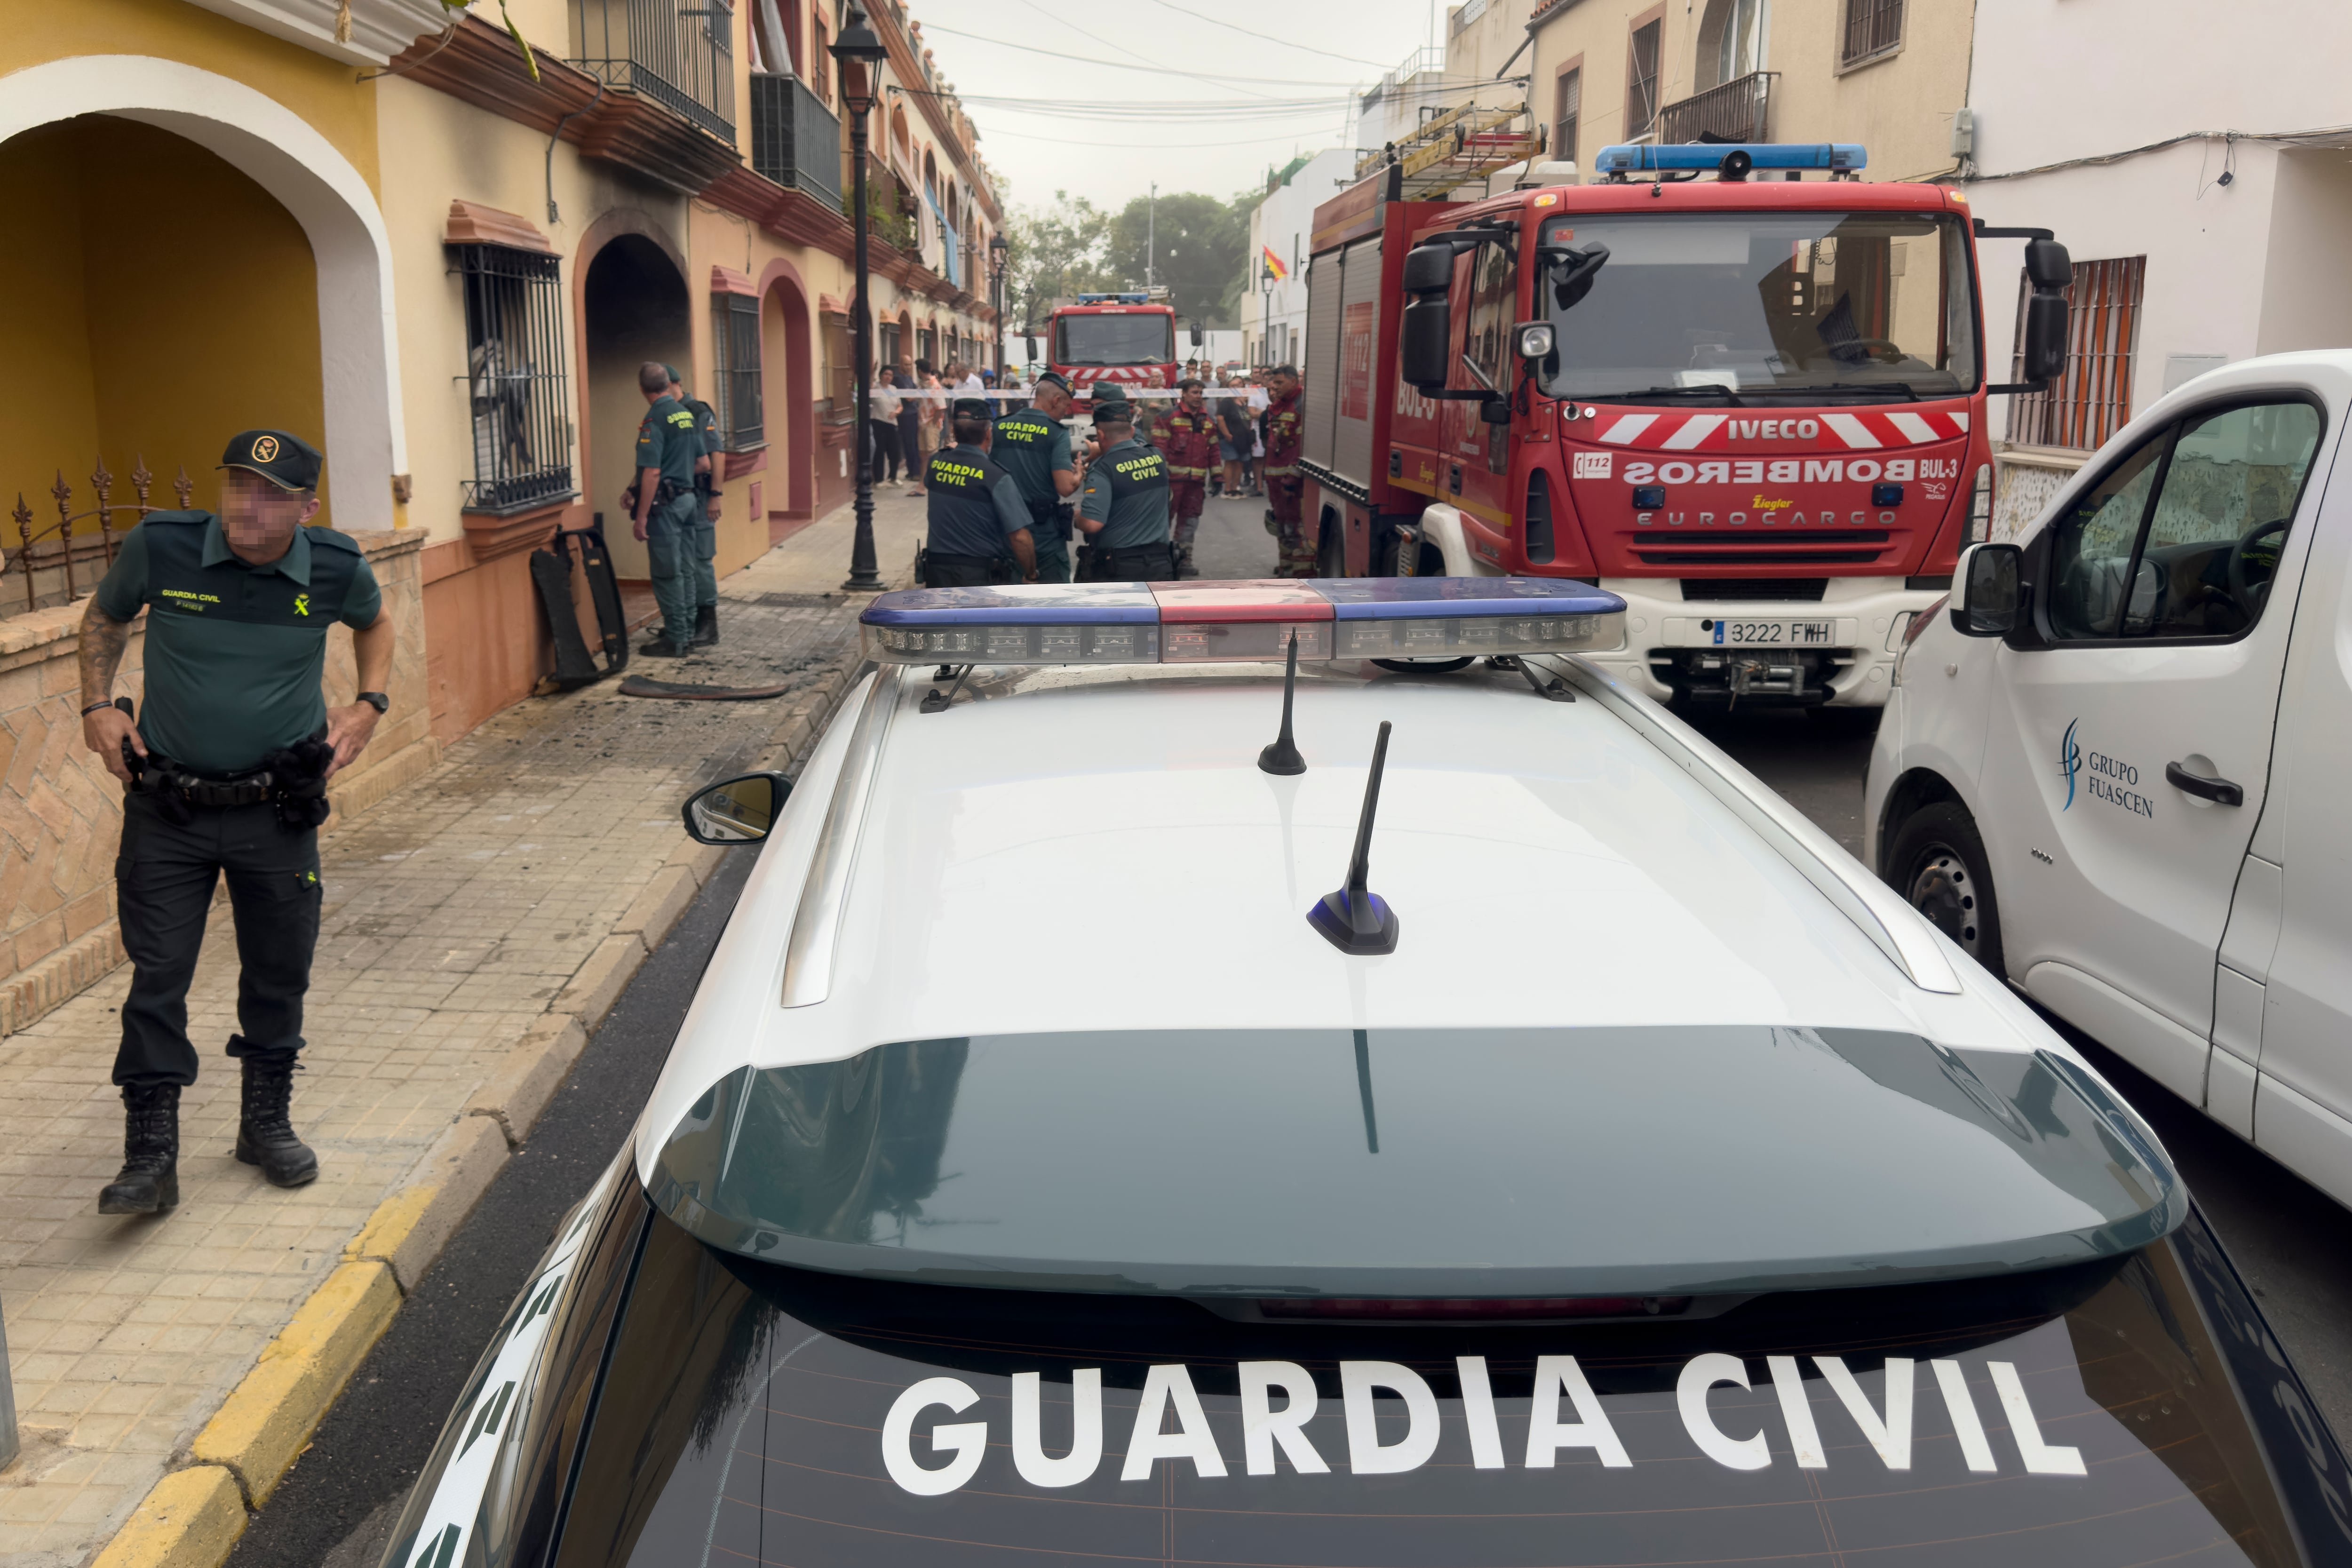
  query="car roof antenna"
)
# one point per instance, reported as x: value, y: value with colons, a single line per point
x: 1354, y: 918
x: 1282, y: 755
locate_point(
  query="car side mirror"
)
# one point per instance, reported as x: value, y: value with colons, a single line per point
x: 1988, y: 591
x: 737, y: 811
x: 1426, y: 334
x: 2045, y: 336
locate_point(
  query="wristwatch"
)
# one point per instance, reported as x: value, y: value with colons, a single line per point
x: 377, y: 701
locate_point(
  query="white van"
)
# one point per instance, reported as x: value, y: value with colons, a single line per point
x: 2116, y: 767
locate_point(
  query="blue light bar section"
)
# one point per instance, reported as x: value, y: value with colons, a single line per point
x: 1017, y: 605
x: 1839, y: 155
x: 1135, y: 299
x: 1460, y: 598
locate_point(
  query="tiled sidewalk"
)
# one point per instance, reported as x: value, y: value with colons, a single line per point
x: 500, y: 886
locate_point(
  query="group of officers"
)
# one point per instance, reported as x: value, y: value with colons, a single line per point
x: 1007, y: 500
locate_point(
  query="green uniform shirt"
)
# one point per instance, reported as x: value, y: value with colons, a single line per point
x: 234, y: 652
x: 1127, y: 491
x: 972, y: 505
x: 668, y: 440
x: 1031, y: 448
x: 706, y: 427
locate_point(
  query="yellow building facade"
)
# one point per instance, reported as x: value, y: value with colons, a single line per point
x: 371, y: 223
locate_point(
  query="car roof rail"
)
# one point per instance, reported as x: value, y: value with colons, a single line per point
x: 817, y: 923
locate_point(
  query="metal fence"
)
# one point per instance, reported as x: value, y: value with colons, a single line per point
x: 1739, y: 110
x: 679, y: 53
x: 46, y: 559
x: 515, y: 378
x: 795, y: 139
x: 2092, y: 400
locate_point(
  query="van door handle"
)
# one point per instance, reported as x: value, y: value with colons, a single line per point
x: 2220, y: 790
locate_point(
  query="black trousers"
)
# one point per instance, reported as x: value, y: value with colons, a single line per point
x: 965, y: 571
x: 886, y: 450
x: 163, y: 882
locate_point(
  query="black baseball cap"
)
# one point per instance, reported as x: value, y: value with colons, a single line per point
x: 969, y: 408
x: 286, y: 461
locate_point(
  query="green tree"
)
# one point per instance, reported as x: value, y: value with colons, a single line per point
x: 1055, y: 250
x: 1194, y: 243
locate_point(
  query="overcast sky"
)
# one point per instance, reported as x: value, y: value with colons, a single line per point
x: 1156, y: 94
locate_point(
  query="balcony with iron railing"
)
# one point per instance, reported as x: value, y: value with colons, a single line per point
x: 795, y: 139
x: 1739, y: 110
x: 679, y: 54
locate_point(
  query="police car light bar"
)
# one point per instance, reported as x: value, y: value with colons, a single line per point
x: 1843, y: 156
x: 1137, y: 298
x: 1240, y: 622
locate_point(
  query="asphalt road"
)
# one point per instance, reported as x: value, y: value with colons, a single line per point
x: 338, y: 1506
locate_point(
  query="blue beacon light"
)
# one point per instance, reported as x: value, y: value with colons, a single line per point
x: 1197, y: 622
x: 1837, y: 157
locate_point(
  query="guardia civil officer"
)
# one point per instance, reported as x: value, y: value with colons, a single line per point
x: 1123, y: 509
x: 978, y: 525
x: 667, y: 512
x: 1033, y: 445
x: 709, y: 445
x: 226, y: 768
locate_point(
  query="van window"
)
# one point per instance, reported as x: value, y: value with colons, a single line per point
x: 2194, y: 522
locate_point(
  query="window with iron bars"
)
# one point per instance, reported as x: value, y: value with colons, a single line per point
x: 517, y: 399
x: 2092, y: 400
x: 1642, y: 80
x: 736, y: 399
x: 1873, y: 27
x: 1570, y: 91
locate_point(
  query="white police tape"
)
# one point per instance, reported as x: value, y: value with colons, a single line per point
x: 1265, y: 1426
x: 1002, y: 395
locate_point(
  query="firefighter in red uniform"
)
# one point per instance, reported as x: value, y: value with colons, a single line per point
x: 1294, y: 552
x: 1187, y: 438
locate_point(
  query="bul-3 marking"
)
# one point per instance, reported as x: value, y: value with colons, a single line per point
x: 1279, y: 1400
x: 2099, y: 777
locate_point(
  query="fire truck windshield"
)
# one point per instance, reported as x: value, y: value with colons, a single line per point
x: 1145, y: 338
x: 1837, y: 305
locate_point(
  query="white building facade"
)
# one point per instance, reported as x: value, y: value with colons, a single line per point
x: 2204, y: 189
x: 1273, y: 310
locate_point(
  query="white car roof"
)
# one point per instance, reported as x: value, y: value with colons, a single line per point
x: 1095, y: 848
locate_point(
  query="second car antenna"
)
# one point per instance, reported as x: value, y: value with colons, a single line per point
x: 1281, y: 755
x: 1354, y: 918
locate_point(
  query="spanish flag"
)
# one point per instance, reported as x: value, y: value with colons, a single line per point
x: 1274, y: 267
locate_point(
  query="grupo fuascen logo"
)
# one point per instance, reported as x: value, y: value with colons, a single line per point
x: 2070, y: 762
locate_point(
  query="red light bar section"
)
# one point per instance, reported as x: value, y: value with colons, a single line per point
x: 1257, y: 599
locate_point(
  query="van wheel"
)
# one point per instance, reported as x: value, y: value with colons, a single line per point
x: 1938, y: 862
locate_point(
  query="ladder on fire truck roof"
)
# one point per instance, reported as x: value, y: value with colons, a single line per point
x: 1450, y: 149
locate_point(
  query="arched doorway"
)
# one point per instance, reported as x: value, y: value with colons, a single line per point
x: 267, y: 235
x: 787, y: 369
x: 633, y: 308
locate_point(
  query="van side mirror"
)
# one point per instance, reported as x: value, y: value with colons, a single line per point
x: 737, y: 811
x: 1988, y: 591
x: 1426, y: 334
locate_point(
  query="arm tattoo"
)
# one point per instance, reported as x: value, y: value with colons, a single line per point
x: 103, y: 639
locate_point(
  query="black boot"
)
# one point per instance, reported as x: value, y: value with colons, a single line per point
x: 661, y: 647
x: 149, y: 1179
x: 265, y: 1133
x: 706, y: 627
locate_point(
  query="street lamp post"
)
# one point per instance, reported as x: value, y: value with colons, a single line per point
x: 1000, y: 251
x: 860, y: 52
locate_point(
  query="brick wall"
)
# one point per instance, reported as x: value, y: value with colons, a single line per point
x: 61, y: 812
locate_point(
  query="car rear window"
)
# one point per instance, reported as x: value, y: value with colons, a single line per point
x: 2131, y: 1410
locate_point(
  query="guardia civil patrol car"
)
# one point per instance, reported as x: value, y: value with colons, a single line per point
x: 1321, y: 1074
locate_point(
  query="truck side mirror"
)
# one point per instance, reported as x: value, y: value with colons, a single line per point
x: 2045, y: 336
x: 2047, y: 266
x: 1988, y: 591
x: 1196, y: 334
x: 1426, y: 334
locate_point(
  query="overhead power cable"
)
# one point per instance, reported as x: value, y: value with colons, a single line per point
x: 930, y: 27
x: 1270, y: 38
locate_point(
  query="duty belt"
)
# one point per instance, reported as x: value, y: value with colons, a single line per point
x: 161, y: 774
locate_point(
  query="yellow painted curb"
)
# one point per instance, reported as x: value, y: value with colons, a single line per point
x: 190, y: 1520
x: 264, y: 1425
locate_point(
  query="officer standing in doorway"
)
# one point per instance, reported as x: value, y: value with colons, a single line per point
x: 709, y: 445
x: 666, y: 509
x: 226, y: 767
x: 1294, y: 552
x: 978, y: 523
x: 1033, y: 445
x: 1123, y: 509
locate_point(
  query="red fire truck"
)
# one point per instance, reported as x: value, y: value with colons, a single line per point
x: 1128, y: 338
x: 1752, y: 406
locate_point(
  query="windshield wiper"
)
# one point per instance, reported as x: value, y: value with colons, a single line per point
x: 1902, y: 388
x: 1709, y: 390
